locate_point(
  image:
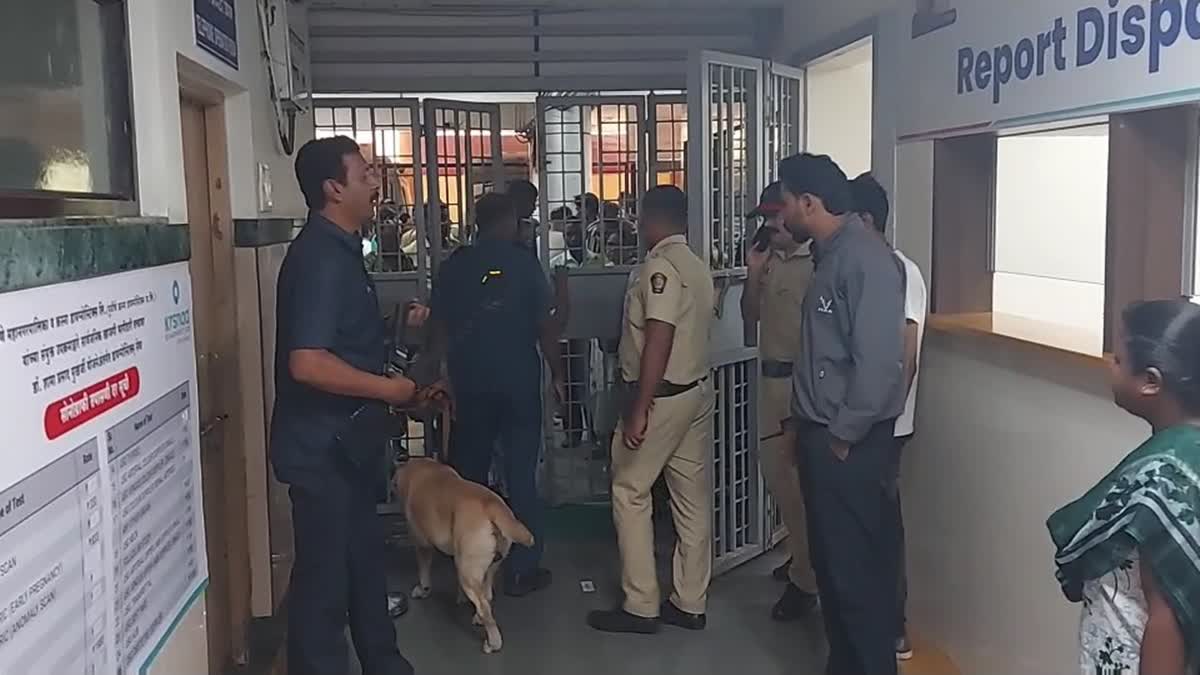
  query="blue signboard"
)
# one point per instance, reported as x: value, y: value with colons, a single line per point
x: 216, y: 29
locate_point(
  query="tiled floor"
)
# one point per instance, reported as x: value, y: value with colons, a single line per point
x: 546, y: 634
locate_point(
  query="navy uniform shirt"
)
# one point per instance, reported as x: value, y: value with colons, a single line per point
x: 492, y: 298
x: 849, y: 374
x: 325, y: 300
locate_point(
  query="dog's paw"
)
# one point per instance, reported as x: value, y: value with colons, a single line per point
x: 420, y: 592
x: 489, y: 648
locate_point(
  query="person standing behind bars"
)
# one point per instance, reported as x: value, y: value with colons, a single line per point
x: 780, y: 269
x: 525, y: 200
x: 492, y: 307
x: 666, y: 424
x: 848, y: 389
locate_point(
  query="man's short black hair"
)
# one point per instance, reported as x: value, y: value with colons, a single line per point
x: 870, y: 197
x: 819, y: 176
x: 493, y: 210
x: 588, y: 203
x: 320, y: 160
x: 666, y: 204
x: 522, y: 191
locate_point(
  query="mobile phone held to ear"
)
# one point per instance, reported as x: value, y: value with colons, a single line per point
x: 762, y: 238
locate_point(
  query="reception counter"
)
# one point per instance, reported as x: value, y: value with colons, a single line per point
x: 1008, y: 430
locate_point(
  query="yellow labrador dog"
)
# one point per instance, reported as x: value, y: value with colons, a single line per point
x: 466, y: 521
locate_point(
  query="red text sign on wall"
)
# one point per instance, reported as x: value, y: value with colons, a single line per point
x: 79, y: 408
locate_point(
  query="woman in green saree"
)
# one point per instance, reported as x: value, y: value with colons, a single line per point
x: 1129, y: 549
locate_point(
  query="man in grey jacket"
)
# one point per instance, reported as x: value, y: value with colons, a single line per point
x: 847, y: 391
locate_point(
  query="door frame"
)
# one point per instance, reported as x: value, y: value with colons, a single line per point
x: 224, y: 487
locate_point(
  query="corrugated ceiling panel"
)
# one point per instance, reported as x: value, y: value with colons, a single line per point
x: 368, y: 45
x: 416, y: 19
x: 646, y: 42
x: 577, y: 50
x: 447, y: 70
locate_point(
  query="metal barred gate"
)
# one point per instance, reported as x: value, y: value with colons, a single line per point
x: 592, y: 160
x: 463, y: 161
x: 785, y: 127
x: 744, y: 115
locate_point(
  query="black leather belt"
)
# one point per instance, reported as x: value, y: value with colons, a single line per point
x: 776, y: 369
x: 667, y: 389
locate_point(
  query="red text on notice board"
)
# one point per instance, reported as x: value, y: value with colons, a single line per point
x: 72, y: 412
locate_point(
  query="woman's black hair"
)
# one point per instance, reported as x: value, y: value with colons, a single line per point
x: 1165, y: 335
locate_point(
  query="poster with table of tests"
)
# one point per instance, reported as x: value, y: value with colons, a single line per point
x: 101, y: 519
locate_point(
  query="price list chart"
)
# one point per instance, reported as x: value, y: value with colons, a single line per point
x: 155, y: 520
x: 53, y: 587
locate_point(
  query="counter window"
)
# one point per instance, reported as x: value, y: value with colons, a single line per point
x: 65, y: 128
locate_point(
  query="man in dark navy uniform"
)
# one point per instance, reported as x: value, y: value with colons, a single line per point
x: 492, y: 307
x: 330, y: 356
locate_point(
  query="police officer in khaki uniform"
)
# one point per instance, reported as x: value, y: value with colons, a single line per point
x: 666, y: 424
x: 780, y: 269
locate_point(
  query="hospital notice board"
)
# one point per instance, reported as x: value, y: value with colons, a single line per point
x: 101, y: 520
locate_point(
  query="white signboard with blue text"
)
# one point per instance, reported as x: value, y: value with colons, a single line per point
x: 971, y: 65
x: 101, y: 514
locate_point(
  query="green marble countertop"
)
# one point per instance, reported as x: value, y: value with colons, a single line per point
x: 39, y: 252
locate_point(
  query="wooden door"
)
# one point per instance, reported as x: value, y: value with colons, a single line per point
x: 221, y: 453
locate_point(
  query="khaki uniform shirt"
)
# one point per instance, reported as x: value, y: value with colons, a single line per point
x: 674, y: 286
x: 785, y: 281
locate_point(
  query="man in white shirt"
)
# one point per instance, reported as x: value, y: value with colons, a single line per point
x: 871, y: 204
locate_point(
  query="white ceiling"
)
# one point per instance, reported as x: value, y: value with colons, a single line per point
x: 450, y: 5
x: 446, y: 46
x: 851, y: 56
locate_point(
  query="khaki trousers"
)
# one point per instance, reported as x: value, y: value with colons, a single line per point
x: 678, y: 442
x: 782, y: 475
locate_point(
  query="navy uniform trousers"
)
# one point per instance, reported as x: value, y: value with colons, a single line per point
x: 339, y: 578
x: 512, y: 423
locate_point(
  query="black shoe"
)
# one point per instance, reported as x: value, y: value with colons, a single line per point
x: 521, y: 585
x: 783, y: 572
x: 620, y: 621
x: 794, y: 605
x: 904, y: 649
x: 673, y: 616
x: 397, y: 604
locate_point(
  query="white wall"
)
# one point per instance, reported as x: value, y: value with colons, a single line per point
x: 1050, y: 227
x: 162, y: 40
x: 839, y: 95
x: 912, y: 205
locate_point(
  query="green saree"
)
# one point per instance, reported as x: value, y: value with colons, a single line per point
x: 1148, y: 509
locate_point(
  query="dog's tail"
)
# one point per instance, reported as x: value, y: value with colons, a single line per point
x: 504, y: 520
